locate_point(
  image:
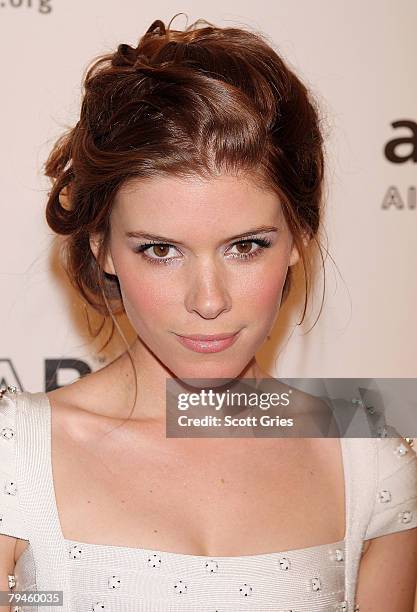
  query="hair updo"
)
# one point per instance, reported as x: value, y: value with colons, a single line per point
x: 203, y: 101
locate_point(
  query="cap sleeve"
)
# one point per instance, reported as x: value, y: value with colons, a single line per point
x: 11, y: 519
x: 395, y: 507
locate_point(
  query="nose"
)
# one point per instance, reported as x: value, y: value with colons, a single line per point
x: 208, y: 294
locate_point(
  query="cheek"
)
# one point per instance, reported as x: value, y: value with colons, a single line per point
x: 146, y: 299
x: 262, y: 292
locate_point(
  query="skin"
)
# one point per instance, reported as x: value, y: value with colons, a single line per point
x: 205, y: 288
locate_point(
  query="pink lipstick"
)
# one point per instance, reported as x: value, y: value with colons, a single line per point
x: 213, y: 343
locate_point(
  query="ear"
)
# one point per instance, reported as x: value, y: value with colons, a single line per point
x: 295, y: 254
x: 95, y: 241
x: 64, y: 197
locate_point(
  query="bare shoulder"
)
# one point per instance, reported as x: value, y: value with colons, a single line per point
x: 87, y: 402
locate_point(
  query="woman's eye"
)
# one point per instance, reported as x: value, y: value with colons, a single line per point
x: 245, y: 248
x: 159, y: 250
x: 156, y: 252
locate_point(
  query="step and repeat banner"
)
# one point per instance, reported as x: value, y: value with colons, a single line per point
x: 358, y: 59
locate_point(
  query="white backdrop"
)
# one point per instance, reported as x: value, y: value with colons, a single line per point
x: 358, y: 58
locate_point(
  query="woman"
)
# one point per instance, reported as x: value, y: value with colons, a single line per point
x: 189, y: 188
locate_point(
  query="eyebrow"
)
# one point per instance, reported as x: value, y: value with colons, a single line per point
x: 255, y: 230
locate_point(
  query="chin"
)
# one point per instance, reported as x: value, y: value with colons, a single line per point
x: 220, y: 370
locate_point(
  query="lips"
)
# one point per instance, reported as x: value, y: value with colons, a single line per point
x: 204, y: 343
x: 209, y: 337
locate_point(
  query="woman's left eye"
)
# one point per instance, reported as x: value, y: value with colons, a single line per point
x: 246, y: 247
x: 160, y: 250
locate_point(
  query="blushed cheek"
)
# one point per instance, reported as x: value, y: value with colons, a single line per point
x: 146, y: 301
x: 263, y: 294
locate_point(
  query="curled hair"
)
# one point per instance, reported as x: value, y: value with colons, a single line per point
x: 203, y: 101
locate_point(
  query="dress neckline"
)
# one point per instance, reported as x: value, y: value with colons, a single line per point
x: 178, y: 555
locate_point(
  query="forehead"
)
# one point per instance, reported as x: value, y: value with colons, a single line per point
x: 175, y: 201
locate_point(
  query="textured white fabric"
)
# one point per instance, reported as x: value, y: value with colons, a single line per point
x: 381, y: 498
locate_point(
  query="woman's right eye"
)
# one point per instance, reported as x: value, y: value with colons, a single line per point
x: 160, y: 251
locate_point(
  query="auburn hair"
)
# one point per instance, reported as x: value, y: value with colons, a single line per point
x: 203, y: 101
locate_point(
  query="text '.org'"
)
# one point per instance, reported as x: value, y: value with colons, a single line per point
x: 44, y: 7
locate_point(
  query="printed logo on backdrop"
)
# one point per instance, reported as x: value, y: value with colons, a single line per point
x: 54, y: 371
x: 8, y: 374
x: 402, y: 150
x: 44, y: 7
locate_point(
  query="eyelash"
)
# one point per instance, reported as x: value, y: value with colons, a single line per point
x: 264, y: 243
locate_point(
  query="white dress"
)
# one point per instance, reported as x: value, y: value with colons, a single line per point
x: 381, y: 498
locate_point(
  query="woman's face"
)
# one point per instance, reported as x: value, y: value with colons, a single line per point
x: 205, y: 272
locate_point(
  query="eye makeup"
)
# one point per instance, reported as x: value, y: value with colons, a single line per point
x: 263, y: 243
